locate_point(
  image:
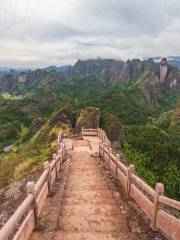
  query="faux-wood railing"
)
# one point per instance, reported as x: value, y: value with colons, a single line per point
x: 26, y: 217
x: 151, y: 201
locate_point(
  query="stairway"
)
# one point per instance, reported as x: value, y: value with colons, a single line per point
x: 88, y: 209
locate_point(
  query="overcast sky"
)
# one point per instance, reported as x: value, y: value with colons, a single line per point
x: 37, y: 33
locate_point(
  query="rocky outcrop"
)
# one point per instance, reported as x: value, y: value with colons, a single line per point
x: 110, y: 72
x: 149, y: 85
x: 88, y: 118
x: 114, y: 130
x: 8, y: 82
x: 64, y: 115
x: 173, y: 80
x: 163, y: 69
x: 36, y: 125
x: 22, y: 78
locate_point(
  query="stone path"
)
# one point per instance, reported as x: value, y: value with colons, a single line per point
x: 88, y: 209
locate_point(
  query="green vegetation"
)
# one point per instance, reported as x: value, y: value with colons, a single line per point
x: 152, y: 135
x: 151, y: 128
x: 29, y: 152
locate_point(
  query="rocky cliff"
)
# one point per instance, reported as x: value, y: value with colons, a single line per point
x: 99, y: 73
x: 88, y: 118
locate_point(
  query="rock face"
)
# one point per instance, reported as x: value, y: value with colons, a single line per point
x: 88, y: 118
x: 114, y: 132
x: 8, y: 82
x: 22, y: 77
x: 64, y: 115
x: 36, y: 125
x: 163, y: 69
x: 109, y: 71
x: 149, y: 85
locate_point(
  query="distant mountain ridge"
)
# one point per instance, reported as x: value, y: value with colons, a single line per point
x: 56, y: 69
x: 96, y: 73
x: 172, y: 60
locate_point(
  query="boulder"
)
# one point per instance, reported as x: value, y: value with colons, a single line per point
x: 88, y: 118
x: 114, y: 131
x: 163, y: 69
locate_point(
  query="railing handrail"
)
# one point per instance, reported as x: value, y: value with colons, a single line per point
x: 8, y: 229
x: 10, y: 225
x: 150, y: 200
x: 168, y: 201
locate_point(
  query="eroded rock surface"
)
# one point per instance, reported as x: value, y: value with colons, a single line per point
x: 88, y: 118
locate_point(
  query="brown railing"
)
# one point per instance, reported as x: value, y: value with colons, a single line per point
x: 26, y: 217
x: 151, y: 201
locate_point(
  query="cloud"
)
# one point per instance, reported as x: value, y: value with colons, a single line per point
x: 45, y: 32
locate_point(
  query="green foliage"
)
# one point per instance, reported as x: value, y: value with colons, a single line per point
x: 162, y: 152
x: 171, y: 180
x: 141, y: 162
x: 29, y: 154
x: 127, y: 104
x: 151, y: 129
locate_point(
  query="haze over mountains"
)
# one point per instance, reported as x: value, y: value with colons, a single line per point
x: 172, y: 60
x: 100, y: 73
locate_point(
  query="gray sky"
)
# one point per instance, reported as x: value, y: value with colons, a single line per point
x: 37, y: 33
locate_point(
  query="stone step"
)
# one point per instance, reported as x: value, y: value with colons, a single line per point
x: 83, y: 210
x: 90, y: 236
x: 83, y: 167
x: 97, y: 223
x: 85, y: 177
x: 88, y: 194
x: 97, y: 200
x: 89, y: 187
x: 78, y: 172
x: 87, y: 184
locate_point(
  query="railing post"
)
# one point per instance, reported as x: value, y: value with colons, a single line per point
x: 100, y: 134
x: 103, y: 136
x: 159, y: 190
x: 47, y: 166
x: 60, y: 158
x: 99, y: 149
x: 55, y: 159
x: 82, y: 129
x: 131, y: 170
x: 110, y: 151
x: 117, y: 159
x: 59, y: 138
x: 104, y: 145
x: 30, y: 188
x: 64, y: 151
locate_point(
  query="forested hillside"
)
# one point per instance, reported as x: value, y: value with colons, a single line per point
x: 146, y: 108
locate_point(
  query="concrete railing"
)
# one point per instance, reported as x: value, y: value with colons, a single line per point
x: 26, y: 218
x: 89, y: 132
x: 151, y: 201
